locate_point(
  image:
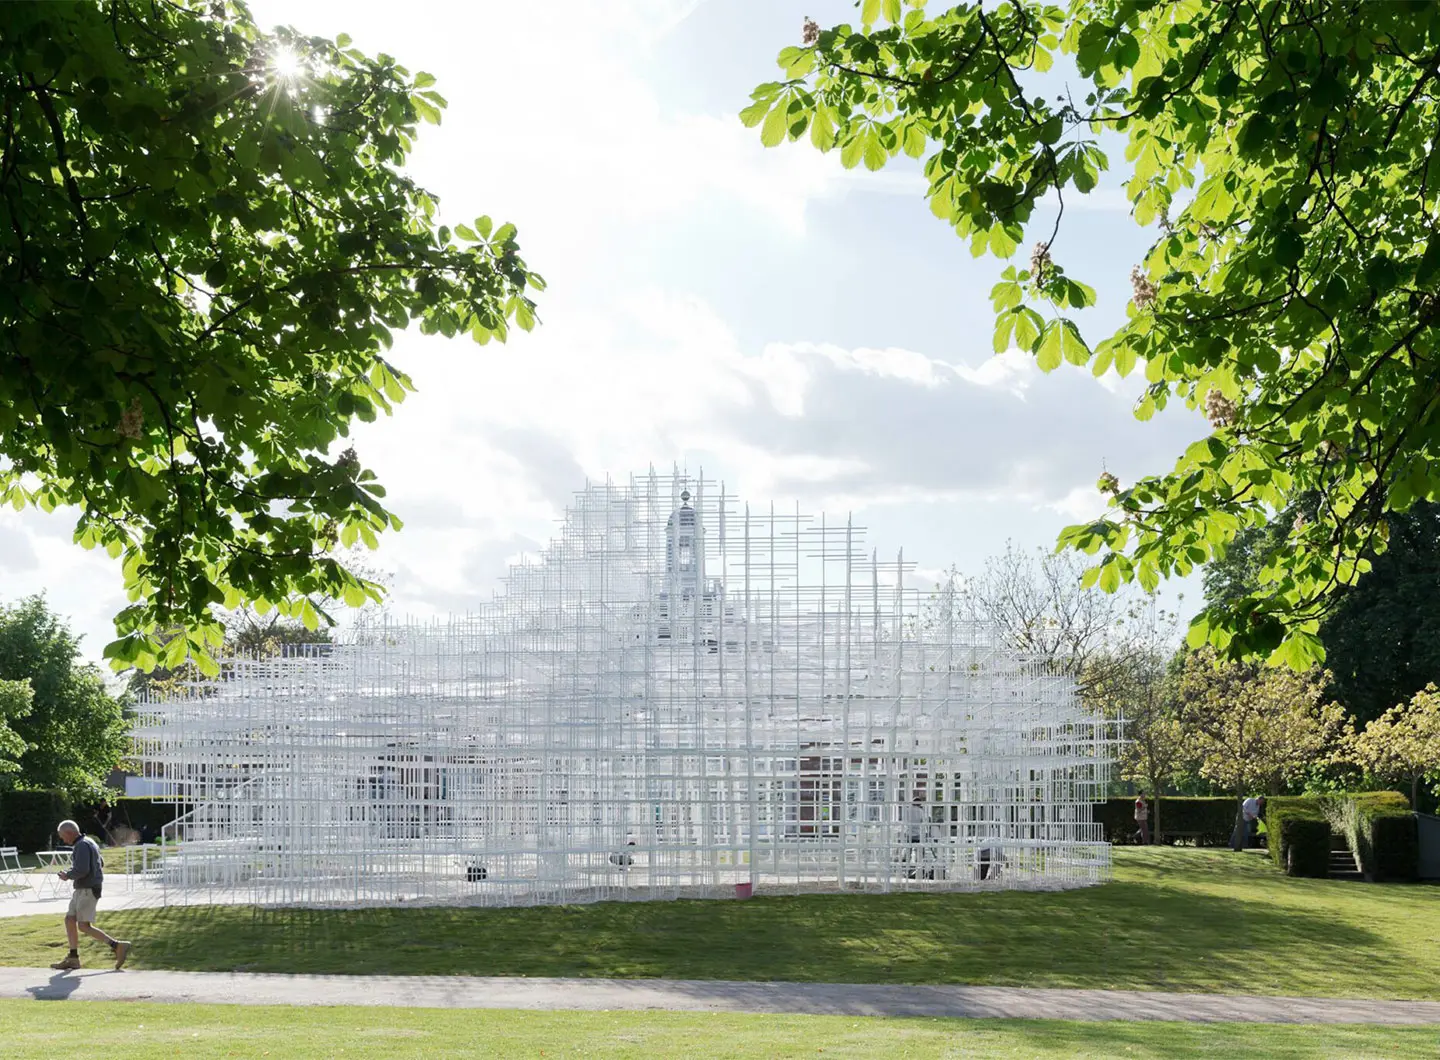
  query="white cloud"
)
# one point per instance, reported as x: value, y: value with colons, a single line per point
x: 559, y: 123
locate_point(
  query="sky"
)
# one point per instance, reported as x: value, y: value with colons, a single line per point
x: 803, y: 332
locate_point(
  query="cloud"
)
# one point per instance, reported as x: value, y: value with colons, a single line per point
x: 16, y: 552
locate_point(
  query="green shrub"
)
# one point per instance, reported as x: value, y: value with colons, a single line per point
x: 1213, y: 819
x: 28, y: 818
x: 1298, y: 836
x: 1304, y: 846
x: 1381, y: 831
x: 1395, y: 846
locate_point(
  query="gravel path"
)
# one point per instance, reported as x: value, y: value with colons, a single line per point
x: 696, y: 996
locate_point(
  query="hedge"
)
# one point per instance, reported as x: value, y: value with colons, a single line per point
x: 28, y: 818
x: 1212, y: 820
x: 1381, y: 831
x: 1395, y: 843
x: 135, y: 813
x: 1299, y: 842
x: 1298, y: 836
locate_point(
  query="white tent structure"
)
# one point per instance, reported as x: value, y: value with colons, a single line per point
x: 681, y: 698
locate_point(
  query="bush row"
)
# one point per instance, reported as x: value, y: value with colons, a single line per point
x: 1208, y: 821
x: 1377, y: 825
x: 28, y: 818
x: 1381, y: 831
x: 1298, y: 836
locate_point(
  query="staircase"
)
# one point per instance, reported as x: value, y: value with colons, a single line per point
x: 1342, y: 862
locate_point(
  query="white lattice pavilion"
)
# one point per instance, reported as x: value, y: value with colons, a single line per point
x: 682, y: 696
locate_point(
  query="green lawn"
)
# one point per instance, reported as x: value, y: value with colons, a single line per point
x: 202, y: 1031
x: 1174, y: 919
x: 118, y: 860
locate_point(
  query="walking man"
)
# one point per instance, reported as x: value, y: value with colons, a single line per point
x: 1142, y: 819
x: 87, y: 873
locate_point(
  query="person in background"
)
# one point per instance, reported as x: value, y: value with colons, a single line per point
x: 1251, y: 810
x: 87, y: 873
x: 917, y: 822
x: 990, y: 858
x: 1142, y: 819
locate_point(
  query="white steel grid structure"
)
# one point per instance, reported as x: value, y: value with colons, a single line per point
x: 682, y: 698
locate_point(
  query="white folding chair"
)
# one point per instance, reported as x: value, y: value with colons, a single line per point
x: 12, y: 876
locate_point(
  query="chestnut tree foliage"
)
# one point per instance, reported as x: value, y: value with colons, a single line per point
x: 207, y: 241
x: 1285, y: 154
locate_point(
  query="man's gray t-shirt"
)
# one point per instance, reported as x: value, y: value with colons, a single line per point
x: 85, y: 863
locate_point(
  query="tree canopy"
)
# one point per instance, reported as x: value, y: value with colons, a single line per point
x: 1285, y: 155
x: 15, y: 700
x: 1404, y: 743
x: 1381, y: 636
x: 207, y: 242
x: 72, y: 729
x: 1254, y: 728
x: 1034, y: 600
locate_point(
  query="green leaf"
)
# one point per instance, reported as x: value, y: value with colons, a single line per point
x: 755, y: 113
x: 1004, y: 239
x: 822, y: 128
x: 1005, y: 294
x: 1050, y: 353
x: 772, y: 132
x: 1004, y: 326
x: 869, y: 12
x: 1028, y: 325
x: 1072, y: 345
x: 875, y: 154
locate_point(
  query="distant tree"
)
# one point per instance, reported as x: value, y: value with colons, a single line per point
x: 1382, y: 635
x: 207, y: 240
x: 1034, y: 600
x: 74, y: 732
x: 16, y: 699
x: 1403, y: 744
x: 1250, y: 727
x: 1131, y: 678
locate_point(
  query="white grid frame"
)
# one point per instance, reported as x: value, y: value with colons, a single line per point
x: 681, y: 698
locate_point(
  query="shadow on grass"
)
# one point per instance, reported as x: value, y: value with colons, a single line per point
x: 1128, y: 935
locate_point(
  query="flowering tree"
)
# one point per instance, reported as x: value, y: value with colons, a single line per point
x: 1286, y: 155
x: 1250, y: 727
x: 1404, y: 742
x: 1130, y: 678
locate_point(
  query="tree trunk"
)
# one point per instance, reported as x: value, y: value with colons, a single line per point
x: 1156, y: 835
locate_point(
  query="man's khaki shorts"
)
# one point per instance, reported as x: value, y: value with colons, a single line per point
x: 82, y: 905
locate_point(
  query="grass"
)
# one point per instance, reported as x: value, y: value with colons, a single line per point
x: 118, y: 860
x: 1174, y: 919
x: 198, y: 1032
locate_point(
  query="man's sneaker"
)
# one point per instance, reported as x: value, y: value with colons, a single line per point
x: 122, y: 950
x: 69, y: 964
